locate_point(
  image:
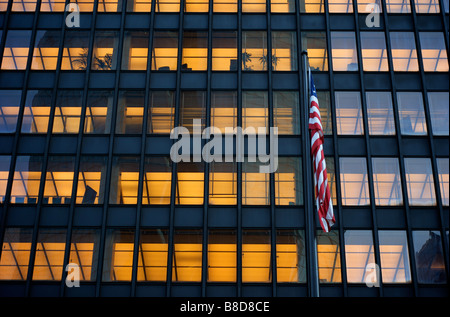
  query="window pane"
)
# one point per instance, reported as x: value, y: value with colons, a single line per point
x: 27, y: 177
x: 429, y: 257
x: 165, y: 50
x: 222, y: 183
x: 328, y: 256
x: 9, y: 110
x: 373, y: 51
x: 256, y: 250
x: 254, y: 50
x: 161, y: 112
x: 76, y: 50
x: 15, y: 253
x: 153, y: 248
x: 411, y: 113
x: 343, y: 49
x: 253, y: 6
x: 312, y: 6
x: 420, y: 182
x: 349, y: 119
x: 434, y: 54
x: 104, y: 54
x: 438, y: 103
x: 331, y: 176
x: 135, y: 50
x: 4, y: 173
x: 167, y: 6
x: 380, y: 115
x: 369, y: 6
x: 255, y: 185
x: 118, y: 257
x: 354, y: 184
x: 130, y: 112
x: 53, y: 5
x: 91, y: 180
x: 224, y: 51
x: 195, y: 51
x: 37, y: 111
x: 358, y: 254
x: 398, y: 6
x: 23, y: 5
x: 59, y: 180
x: 15, y: 53
x: 190, y: 183
x: 124, y: 180
x: 3, y: 5
x: 340, y: 6
x: 284, y: 51
x: 223, y: 109
x: 443, y: 167
x: 46, y: 48
x: 316, y: 45
x: 49, y: 258
x: 109, y: 6
x: 282, y: 6
x: 255, y: 110
x: 84, y: 247
x: 403, y: 50
x: 196, y: 6
x: 67, y: 111
x: 98, y: 112
x: 289, y: 182
x: 291, y: 256
x: 193, y: 107
x: 394, y: 256
x: 139, y: 5
x: 187, y: 256
x: 387, y: 182
x: 286, y: 112
x: 222, y: 256
x: 427, y: 6
x: 85, y: 5
x: 225, y: 5
x: 325, y: 112
x: 157, y: 181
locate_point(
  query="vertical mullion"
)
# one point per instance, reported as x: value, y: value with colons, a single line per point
x: 239, y: 164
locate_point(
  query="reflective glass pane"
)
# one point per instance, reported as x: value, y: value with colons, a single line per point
x: 343, y: 50
x: 289, y: 182
x: 109, y: 6
x: 15, y: 53
x: 380, y: 115
x: 224, y: 51
x: 434, y: 53
x: 9, y: 110
x: 373, y: 51
x: 91, y: 180
x: 349, y: 120
x: 222, y: 183
x: 15, y: 253
x: 439, y: 113
x: 5, y: 161
x: 394, y: 256
x: 254, y: 50
x: 340, y: 6
x: 46, y: 48
x: 194, y: 51
x: 420, y: 182
x: 84, y: 249
x: 161, y: 112
x: 359, y: 253
x: 282, y: 6
x: 157, y: 181
x: 105, y: 50
x: 354, y: 183
x: 312, y: 6
x: 27, y: 177
x: 255, y: 110
x: 190, y: 183
x: 398, y: 6
x: 316, y: 44
x: 118, y: 256
x: 291, y: 256
x: 256, y: 250
x: 286, y: 112
x: 67, y: 114
x: 196, y: 6
x: 403, y: 50
x: 193, y: 107
x: 135, y: 50
x: 76, y: 50
x: 124, y: 180
x: 153, y: 249
x: 98, y: 112
x: 427, y: 6
x: 255, y: 185
x: 225, y: 5
x: 429, y: 257
x: 49, y: 258
x: 328, y: 257
x: 386, y: 181
x: 139, y: 5
x: 36, y: 113
x: 411, y: 113
x: 222, y: 255
x: 284, y: 51
x: 187, y: 256
x: 223, y: 109
x: 443, y: 167
x: 165, y: 50
x: 130, y: 112
x: 253, y: 6
x: 59, y: 180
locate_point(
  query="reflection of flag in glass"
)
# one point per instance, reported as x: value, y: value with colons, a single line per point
x: 322, y: 190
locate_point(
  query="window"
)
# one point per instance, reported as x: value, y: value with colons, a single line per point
x: 434, y: 53
x: 427, y: 6
x: 49, y: 258
x: 223, y: 110
x: 253, y: 6
x: 27, y: 177
x: 196, y: 6
x: 139, y: 5
x: 343, y: 51
x: 76, y: 50
x: 328, y: 257
x: 53, y: 5
x: 316, y: 45
x: 85, y: 5
x: 222, y: 183
x: 222, y: 255
x: 255, y: 185
x: 394, y: 256
x: 165, y: 50
x: 124, y: 180
x: 411, y: 113
x: 254, y: 50
x: 67, y: 111
x: 104, y: 53
x: 420, y: 182
x: 187, y: 256
x: 380, y: 115
x: 373, y: 51
x: 59, y: 180
x: 284, y: 51
x: 193, y: 107
x: 340, y: 6
x: 291, y: 256
x: 3, y: 5
x: 398, y: 6
x: 368, y: 6
x: 325, y: 112
x: 46, y: 48
x: 135, y: 50
x: 386, y: 181
x: 443, y: 167
x: 4, y: 173
x: 195, y: 51
x: 109, y: 6
x: 91, y: 180
x: 36, y: 113
x: 84, y: 249
x: 23, y: 5
x: 354, y: 183
x: 190, y: 183
x: 429, y: 257
x: 403, y: 50
x: 289, y: 182
x: 130, y: 112
x: 282, y: 6
x: 167, y: 6
x: 153, y: 248
x: 225, y: 5
x: 331, y: 176
x: 15, y: 253
x: 98, y: 112
x: 9, y: 110
x: 15, y: 53
x: 255, y: 110
x: 349, y: 119
x: 161, y: 112
x: 312, y: 6
x: 118, y: 257
x: 157, y: 181
x: 224, y: 51
x: 438, y: 103
x: 358, y: 254
x: 256, y: 250
x: 286, y: 110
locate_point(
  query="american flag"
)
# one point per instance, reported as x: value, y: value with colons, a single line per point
x: 322, y: 190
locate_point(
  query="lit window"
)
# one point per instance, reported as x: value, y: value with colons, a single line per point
x: 325, y: 112
x: 255, y: 185
x: 373, y: 51
x: 118, y: 257
x: 27, y: 177
x: 427, y: 6
x: 443, y: 167
x: 195, y: 51
x: 349, y: 120
x: 59, y: 180
x: 255, y: 110
x: 161, y: 112
x: 312, y: 6
x: 434, y: 53
x: 343, y: 51
x: 284, y: 51
x: 316, y: 45
x: 256, y: 249
x: 157, y: 181
x: 340, y: 6
x: 124, y: 180
x: 98, y: 112
x: 369, y: 6
x: 46, y: 48
x: 15, y: 53
x: 91, y: 180
x: 196, y: 6
x: 190, y: 183
x: 291, y: 256
x: 24, y: 5
x: 84, y: 5
x: 187, y: 256
x: 130, y: 112
x: 4, y: 173
x: 193, y: 107
x: 153, y: 247
x: 380, y: 115
x: 286, y: 115
x: 394, y: 256
x: 411, y: 113
x: 328, y: 257
x: 331, y: 176
x: 135, y: 51
x: 75, y: 51
x: 282, y: 6
x: 165, y: 50
x: 289, y: 182
x: 37, y: 111
x: 354, y: 183
x: 224, y: 109
x: 167, y: 6
x: 3, y: 5
x: 358, y: 254
x: 439, y: 114
x: 67, y: 111
x: 104, y: 53
x: 49, y: 258
x: 222, y: 183
x: 84, y: 247
x: 404, y: 54
x: 222, y: 255
x: 253, y: 6
x: 225, y: 5
x: 9, y: 110
x: 420, y: 182
x: 398, y: 6
x: 386, y: 181
x: 15, y: 253
x: 254, y: 50
x: 139, y: 5
x: 224, y: 51
x: 429, y: 257
x: 109, y: 6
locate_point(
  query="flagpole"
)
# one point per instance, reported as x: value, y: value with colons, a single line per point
x: 313, y: 276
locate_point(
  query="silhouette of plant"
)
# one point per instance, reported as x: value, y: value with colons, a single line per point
x: 104, y: 63
x: 81, y: 61
x: 246, y: 58
x: 264, y: 61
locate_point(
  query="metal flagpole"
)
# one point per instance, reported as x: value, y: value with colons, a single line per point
x: 313, y: 276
